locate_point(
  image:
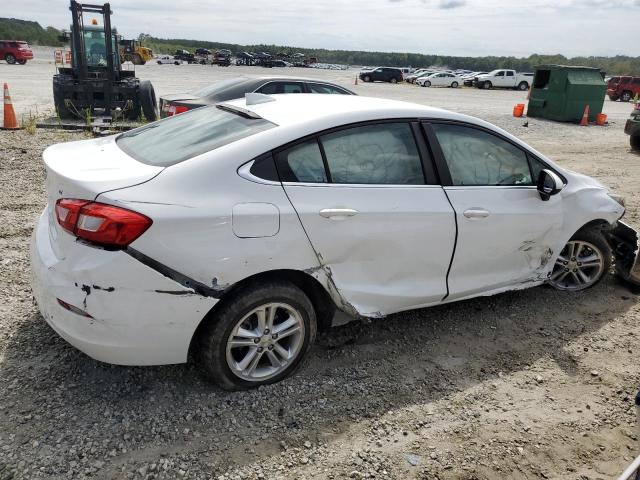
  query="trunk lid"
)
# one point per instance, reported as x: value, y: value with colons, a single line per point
x: 83, y: 170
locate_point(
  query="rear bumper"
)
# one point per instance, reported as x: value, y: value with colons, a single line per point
x: 626, y: 248
x: 139, y: 316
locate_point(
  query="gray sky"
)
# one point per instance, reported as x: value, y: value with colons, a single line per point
x: 445, y: 27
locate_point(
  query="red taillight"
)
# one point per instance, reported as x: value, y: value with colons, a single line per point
x: 176, y: 110
x: 101, y: 223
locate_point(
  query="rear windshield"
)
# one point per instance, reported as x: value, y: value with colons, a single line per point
x: 187, y: 135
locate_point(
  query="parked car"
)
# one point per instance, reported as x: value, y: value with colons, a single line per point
x: 234, y: 232
x: 382, y: 74
x: 632, y: 127
x: 162, y: 59
x: 422, y: 74
x: 440, y: 80
x: 15, y: 51
x: 411, y: 77
x: 185, y: 56
x: 469, y: 79
x: 623, y: 88
x: 504, y: 79
x: 237, y: 87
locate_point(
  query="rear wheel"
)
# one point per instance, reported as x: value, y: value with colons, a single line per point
x: 393, y: 80
x: 634, y: 140
x: 147, y: 96
x: 454, y: 85
x: 10, y: 58
x: 582, y: 262
x: 626, y: 96
x: 523, y: 86
x: 258, y: 337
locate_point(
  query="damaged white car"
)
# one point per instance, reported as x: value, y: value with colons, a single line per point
x: 234, y: 232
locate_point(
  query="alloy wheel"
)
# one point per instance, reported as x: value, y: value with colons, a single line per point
x: 265, y: 342
x: 579, y: 265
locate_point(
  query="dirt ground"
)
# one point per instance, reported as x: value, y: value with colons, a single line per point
x: 523, y: 385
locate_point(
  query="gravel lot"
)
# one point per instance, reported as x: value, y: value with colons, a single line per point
x: 531, y: 384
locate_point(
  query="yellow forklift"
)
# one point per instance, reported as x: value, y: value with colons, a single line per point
x: 132, y: 51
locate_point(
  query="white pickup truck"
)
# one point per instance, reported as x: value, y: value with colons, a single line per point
x: 504, y: 79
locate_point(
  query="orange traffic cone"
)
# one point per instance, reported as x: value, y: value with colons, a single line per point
x: 585, y: 117
x: 10, y: 120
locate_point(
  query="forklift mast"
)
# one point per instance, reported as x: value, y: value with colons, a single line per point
x: 78, y: 43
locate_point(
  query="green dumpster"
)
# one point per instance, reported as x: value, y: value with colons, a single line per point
x: 561, y: 92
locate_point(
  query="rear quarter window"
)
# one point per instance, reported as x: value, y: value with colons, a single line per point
x: 187, y: 135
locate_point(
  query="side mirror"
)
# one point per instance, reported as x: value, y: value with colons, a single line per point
x: 549, y: 183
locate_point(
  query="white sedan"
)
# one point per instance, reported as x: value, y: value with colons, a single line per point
x: 234, y: 232
x: 442, y: 79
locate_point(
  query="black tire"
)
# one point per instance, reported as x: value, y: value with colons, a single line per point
x: 634, y: 140
x: 10, y: 58
x: 626, y: 96
x: 136, y: 59
x: 522, y: 86
x: 614, y: 98
x: 487, y: 85
x: 597, y: 239
x: 22, y: 62
x: 426, y: 84
x: 147, y: 96
x: 59, y: 82
x: 212, y: 338
x: 393, y: 80
x: 367, y: 78
x: 132, y: 112
x: 176, y: 63
x: 454, y: 84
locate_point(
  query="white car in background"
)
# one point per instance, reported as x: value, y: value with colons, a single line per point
x: 440, y: 79
x: 163, y: 59
x: 234, y: 232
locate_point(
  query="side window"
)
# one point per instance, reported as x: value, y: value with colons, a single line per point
x: 500, y: 74
x: 475, y: 157
x: 264, y: 167
x: 320, y: 88
x: 302, y: 163
x: 281, y: 87
x: 374, y: 154
x: 509, y: 74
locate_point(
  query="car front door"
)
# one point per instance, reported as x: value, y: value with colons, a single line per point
x: 499, y: 79
x: 381, y: 227
x: 505, y: 230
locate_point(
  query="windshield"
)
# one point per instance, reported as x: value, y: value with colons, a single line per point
x: 95, y: 47
x: 187, y: 135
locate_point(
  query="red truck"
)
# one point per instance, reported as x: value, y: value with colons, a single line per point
x: 15, y: 51
x: 623, y: 88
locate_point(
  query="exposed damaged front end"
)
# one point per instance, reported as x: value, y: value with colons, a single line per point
x: 624, y: 243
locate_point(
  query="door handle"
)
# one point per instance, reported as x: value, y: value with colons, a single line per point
x: 476, y: 213
x: 338, y: 213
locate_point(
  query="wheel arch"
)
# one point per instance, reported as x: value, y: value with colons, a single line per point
x: 322, y: 302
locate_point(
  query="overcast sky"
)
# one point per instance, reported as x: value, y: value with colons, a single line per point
x: 446, y: 27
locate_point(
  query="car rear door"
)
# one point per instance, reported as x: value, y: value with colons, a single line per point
x: 510, y: 78
x: 505, y: 230
x: 378, y: 221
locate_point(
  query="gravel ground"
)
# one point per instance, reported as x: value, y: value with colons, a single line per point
x: 529, y: 384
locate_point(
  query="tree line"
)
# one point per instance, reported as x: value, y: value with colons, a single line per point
x: 32, y: 32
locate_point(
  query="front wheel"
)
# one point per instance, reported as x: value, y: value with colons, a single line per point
x: 487, y: 85
x: 582, y: 262
x: 22, y: 62
x: 634, y: 140
x: 10, y: 58
x: 367, y: 78
x: 426, y: 84
x: 258, y: 337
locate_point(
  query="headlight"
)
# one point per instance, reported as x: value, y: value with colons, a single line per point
x: 618, y: 199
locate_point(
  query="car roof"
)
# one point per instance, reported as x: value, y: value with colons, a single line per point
x: 326, y: 111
